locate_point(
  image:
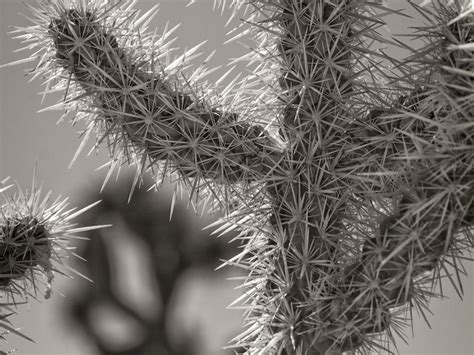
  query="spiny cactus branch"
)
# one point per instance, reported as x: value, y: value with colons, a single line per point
x: 145, y: 112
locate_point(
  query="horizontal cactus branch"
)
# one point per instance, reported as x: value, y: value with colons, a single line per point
x: 349, y: 176
x: 147, y: 114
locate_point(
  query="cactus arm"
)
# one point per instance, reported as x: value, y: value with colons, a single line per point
x: 143, y: 111
x: 431, y: 224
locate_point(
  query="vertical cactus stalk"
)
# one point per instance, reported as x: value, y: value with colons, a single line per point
x: 353, y: 209
x: 323, y: 300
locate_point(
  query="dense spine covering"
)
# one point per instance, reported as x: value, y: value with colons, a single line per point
x: 35, y: 232
x: 353, y: 209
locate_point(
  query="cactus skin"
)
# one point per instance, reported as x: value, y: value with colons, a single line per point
x: 356, y: 215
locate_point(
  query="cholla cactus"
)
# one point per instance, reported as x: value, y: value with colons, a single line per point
x: 350, y: 179
x: 34, y: 239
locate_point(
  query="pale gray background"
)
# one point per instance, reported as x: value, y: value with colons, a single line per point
x: 27, y: 137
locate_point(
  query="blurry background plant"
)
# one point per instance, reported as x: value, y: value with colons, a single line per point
x: 143, y: 270
x: 412, y: 109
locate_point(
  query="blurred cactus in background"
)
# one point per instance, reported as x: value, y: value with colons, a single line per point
x: 347, y: 174
x: 168, y: 250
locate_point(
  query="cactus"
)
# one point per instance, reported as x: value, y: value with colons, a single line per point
x: 349, y: 174
x: 35, y: 233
